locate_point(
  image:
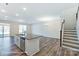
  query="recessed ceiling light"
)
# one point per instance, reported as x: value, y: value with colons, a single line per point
x: 20, y: 20
x: 6, y: 16
x: 45, y: 18
x: 46, y: 24
x: 24, y: 9
x: 48, y: 18
x: 2, y: 10
x: 17, y: 14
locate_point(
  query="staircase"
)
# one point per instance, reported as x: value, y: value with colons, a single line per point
x: 70, y: 40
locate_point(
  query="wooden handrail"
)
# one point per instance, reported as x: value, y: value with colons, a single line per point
x: 61, y: 31
x: 77, y: 14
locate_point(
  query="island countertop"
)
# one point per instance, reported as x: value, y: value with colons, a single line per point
x: 27, y: 37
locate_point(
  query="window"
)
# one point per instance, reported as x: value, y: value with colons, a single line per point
x: 4, y: 30
x: 22, y: 29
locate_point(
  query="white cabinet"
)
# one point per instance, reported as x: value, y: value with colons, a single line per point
x: 17, y: 41
x: 32, y: 46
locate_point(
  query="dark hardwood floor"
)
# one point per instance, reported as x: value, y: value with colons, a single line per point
x: 48, y: 47
x: 8, y: 47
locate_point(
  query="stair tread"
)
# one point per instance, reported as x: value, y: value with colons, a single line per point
x: 70, y: 37
x: 74, y: 49
x: 70, y: 34
x: 74, y: 40
x: 71, y: 41
x: 70, y: 30
x: 71, y: 45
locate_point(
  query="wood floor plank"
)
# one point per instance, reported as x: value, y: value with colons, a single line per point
x: 48, y: 47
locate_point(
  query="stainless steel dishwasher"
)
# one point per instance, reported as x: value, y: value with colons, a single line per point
x: 22, y: 43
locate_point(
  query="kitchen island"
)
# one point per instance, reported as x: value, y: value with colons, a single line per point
x: 28, y: 44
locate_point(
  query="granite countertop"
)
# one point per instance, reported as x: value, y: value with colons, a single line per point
x: 26, y: 37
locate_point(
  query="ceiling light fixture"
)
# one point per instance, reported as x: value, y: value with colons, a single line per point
x: 45, y: 19
x: 3, y: 4
x: 20, y: 20
x: 24, y: 9
x: 17, y: 14
x: 6, y: 3
x: 46, y: 24
x: 48, y: 18
x: 6, y: 16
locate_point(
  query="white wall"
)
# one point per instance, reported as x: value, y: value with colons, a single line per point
x: 70, y: 18
x: 14, y: 29
x: 48, y: 29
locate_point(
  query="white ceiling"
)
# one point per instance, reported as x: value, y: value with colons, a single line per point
x: 15, y: 12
